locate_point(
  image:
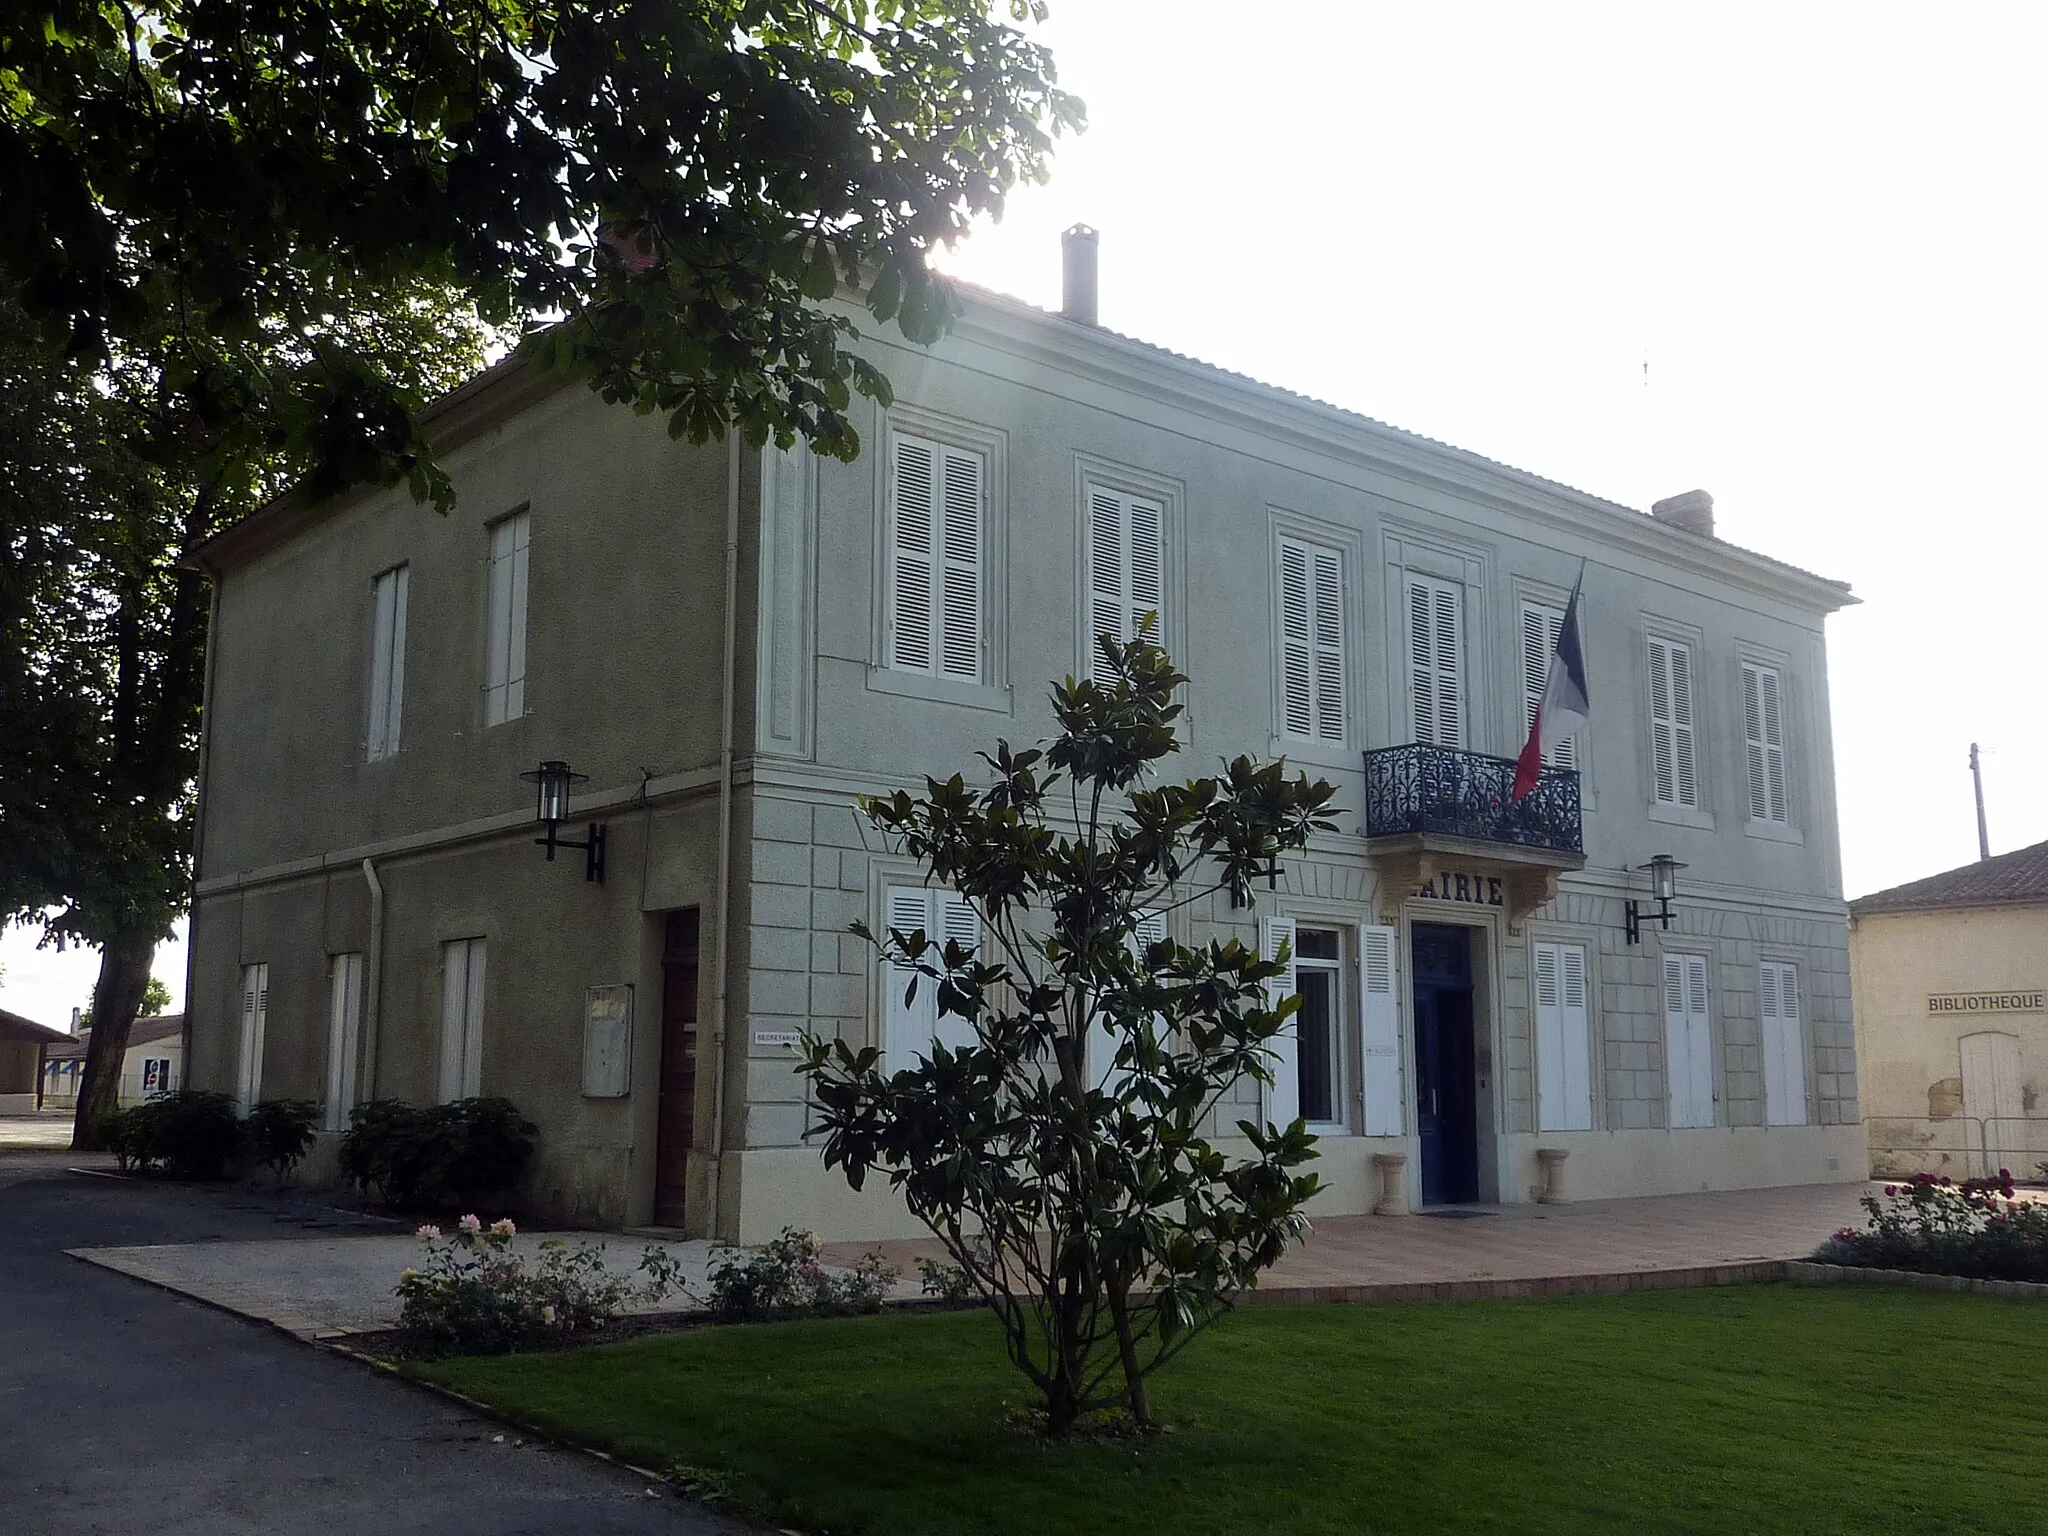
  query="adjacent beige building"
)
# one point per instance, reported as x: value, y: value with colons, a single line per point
x: 1951, y: 990
x: 733, y: 644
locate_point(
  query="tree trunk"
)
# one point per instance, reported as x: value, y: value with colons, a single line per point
x: 1127, y: 1352
x: 116, y: 999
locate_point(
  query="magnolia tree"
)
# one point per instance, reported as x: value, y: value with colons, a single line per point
x: 1064, y: 1155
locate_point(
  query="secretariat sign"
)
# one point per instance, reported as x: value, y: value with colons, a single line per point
x: 2025, y: 1001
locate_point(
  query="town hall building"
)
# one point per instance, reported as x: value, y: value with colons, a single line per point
x: 1635, y: 981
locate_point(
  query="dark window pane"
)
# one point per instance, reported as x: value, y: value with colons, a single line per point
x: 1316, y: 1034
x: 1316, y: 943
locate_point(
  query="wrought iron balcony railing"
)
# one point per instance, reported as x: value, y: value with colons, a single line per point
x: 1421, y: 788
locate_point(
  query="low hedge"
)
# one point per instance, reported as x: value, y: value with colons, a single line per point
x: 1930, y: 1225
x: 437, y: 1157
x: 193, y: 1134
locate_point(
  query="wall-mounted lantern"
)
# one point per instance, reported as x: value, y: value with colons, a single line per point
x: 554, y: 779
x: 1663, y: 885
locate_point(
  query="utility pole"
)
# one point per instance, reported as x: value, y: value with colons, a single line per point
x: 1977, y: 777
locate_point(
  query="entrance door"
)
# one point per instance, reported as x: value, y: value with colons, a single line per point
x: 1991, y: 1095
x: 1446, y: 1076
x: 676, y: 1117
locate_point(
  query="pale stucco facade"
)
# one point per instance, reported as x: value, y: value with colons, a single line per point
x: 310, y: 851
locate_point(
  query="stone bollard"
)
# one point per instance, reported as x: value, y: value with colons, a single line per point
x: 1393, y: 1171
x: 1551, y: 1161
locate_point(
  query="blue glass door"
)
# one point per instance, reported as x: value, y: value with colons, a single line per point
x: 1446, y: 1078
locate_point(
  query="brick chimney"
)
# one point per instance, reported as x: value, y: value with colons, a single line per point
x: 1693, y: 511
x: 1077, y: 288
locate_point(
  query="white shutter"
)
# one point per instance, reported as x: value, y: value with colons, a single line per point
x: 1688, y: 1036
x: 959, y: 924
x: 1764, y: 725
x: 1564, y: 1087
x: 1126, y: 567
x: 255, y: 1018
x: 344, y: 1014
x: 1541, y: 626
x: 1149, y: 929
x: 387, y: 662
x: 1783, y: 1048
x: 1313, y: 691
x: 462, y: 1019
x: 1436, y: 652
x: 1283, y: 1097
x: 912, y: 558
x: 1673, y: 756
x: 505, y: 627
x: 1380, y: 1014
x: 909, y: 1028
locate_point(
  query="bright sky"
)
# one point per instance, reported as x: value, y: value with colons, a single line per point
x: 1822, y: 226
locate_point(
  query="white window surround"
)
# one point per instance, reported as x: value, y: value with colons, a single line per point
x: 935, y: 560
x: 1665, y: 633
x: 462, y: 1019
x: 1349, y: 546
x: 509, y: 555
x: 907, y: 1028
x: 1764, y: 697
x: 1407, y: 553
x: 1439, y: 661
x: 1562, y: 985
x: 1780, y: 1014
x: 1691, y: 1082
x: 991, y: 690
x: 1092, y: 474
x: 386, y: 706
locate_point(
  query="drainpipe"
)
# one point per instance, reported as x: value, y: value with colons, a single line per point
x: 722, y: 902
x: 185, y: 1057
x: 373, y: 971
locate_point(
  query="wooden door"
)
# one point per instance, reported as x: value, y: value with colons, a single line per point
x: 1991, y: 1096
x: 1446, y: 1075
x: 677, y: 1112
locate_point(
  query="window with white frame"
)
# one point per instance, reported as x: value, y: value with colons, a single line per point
x: 1313, y: 692
x: 1379, y: 1006
x: 934, y: 579
x: 1674, y: 756
x: 387, y: 663
x: 1688, y: 1042
x: 505, y: 619
x: 1319, y: 1025
x: 156, y: 1074
x: 1784, y: 1046
x: 1763, y: 716
x: 911, y: 1020
x: 255, y: 1016
x: 1125, y: 561
x: 1541, y: 625
x: 462, y: 1019
x: 344, y: 1023
x: 1436, y: 659
x: 1564, y: 1054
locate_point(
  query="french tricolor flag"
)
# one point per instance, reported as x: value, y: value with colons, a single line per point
x: 1565, y: 706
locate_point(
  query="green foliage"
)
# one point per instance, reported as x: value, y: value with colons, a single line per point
x: 787, y: 1278
x: 1725, y: 1411
x: 190, y: 1134
x: 685, y: 184
x: 474, y: 1295
x: 1086, y: 1202
x: 441, y: 1157
x: 156, y: 997
x: 280, y: 1133
x: 1930, y: 1224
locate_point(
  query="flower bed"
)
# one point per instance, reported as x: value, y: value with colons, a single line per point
x: 1979, y: 1229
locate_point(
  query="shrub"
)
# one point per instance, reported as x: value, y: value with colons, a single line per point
x: 948, y: 1282
x: 1934, y: 1225
x: 126, y: 1134
x: 475, y: 1296
x: 785, y: 1278
x: 280, y: 1133
x: 442, y: 1156
x: 193, y: 1133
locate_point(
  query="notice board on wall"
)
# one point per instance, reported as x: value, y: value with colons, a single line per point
x: 608, y: 1041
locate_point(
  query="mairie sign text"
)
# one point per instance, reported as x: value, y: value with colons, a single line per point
x: 1473, y: 890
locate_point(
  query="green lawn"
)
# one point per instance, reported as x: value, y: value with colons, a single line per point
x: 1750, y: 1409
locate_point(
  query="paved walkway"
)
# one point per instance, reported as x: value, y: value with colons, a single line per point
x: 323, y: 1284
x: 49, y: 1129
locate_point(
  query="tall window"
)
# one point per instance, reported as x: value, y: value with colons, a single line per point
x: 1312, y: 687
x: 1436, y: 659
x: 1102, y: 1040
x: 1319, y: 1025
x: 387, y: 662
x: 1541, y: 624
x: 1688, y: 1041
x: 505, y: 621
x: 1564, y: 1075
x: 1126, y: 560
x: 1674, y: 759
x: 344, y: 1022
x: 1763, y: 715
x: 933, y: 577
x: 1784, y: 1049
x: 255, y: 1015
x: 462, y: 1019
x: 911, y: 1020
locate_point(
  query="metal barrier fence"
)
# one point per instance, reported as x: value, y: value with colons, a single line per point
x: 1961, y: 1146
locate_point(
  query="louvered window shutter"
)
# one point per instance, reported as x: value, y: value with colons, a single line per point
x: 959, y: 924
x: 1689, y: 1061
x: 1150, y: 929
x: 933, y: 605
x: 462, y: 1019
x: 1126, y: 568
x: 1671, y: 729
x: 909, y: 1007
x: 961, y: 543
x: 1283, y: 1096
x: 1312, y: 681
x: 1764, y: 724
x: 1549, y: 1034
x: 387, y: 663
x: 505, y: 625
x: 255, y: 1019
x: 344, y: 1014
x: 1331, y: 693
x: 1436, y: 648
x: 1380, y: 1012
x: 1540, y: 628
x: 1784, y: 1049
x: 1564, y: 1087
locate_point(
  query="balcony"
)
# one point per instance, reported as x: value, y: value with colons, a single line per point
x: 1433, y: 811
